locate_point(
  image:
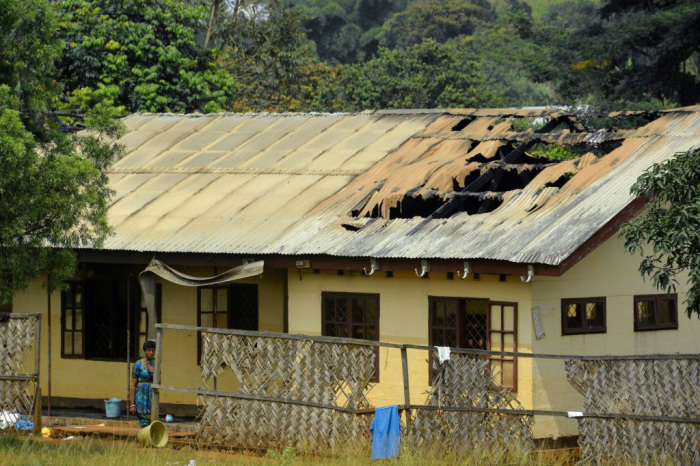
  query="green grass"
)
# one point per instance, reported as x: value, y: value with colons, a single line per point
x: 90, y: 451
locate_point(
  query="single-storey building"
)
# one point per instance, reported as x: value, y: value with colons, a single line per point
x: 431, y: 227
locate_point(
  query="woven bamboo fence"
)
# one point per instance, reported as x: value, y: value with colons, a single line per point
x: 664, y: 388
x: 303, y: 393
x: 467, y: 382
x: 18, y: 336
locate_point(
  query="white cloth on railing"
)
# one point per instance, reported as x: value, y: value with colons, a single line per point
x: 443, y: 353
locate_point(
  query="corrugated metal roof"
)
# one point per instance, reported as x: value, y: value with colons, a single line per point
x: 285, y: 184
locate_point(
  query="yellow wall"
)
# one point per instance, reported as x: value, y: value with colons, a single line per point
x: 610, y: 272
x: 80, y: 378
x: 403, y: 318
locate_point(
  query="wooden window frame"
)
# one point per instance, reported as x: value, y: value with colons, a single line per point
x: 64, y: 308
x: 584, y: 329
x: 461, y: 338
x: 349, y: 297
x: 228, y: 312
x: 655, y: 298
x: 503, y: 333
x: 213, y: 313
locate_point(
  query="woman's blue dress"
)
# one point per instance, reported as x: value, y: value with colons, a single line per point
x: 144, y: 392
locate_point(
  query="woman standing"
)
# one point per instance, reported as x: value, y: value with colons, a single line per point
x: 141, y: 380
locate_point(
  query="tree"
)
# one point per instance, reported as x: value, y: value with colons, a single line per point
x: 267, y: 53
x: 502, y: 48
x: 346, y: 31
x: 622, y: 54
x: 142, y: 52
x: 667, y: 234
x: 53, y: 192
x: 427, y: 75
x: 439, y: 20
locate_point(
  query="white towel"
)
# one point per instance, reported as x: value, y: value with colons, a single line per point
x: 443, y: 353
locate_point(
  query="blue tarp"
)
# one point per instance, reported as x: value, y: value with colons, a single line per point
x: 24, y: 423
x: 386, y: 436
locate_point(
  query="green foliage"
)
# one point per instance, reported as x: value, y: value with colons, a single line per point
x: 28, y: 46
x: 345, y: 31
x: 670, y: 226
x: 501, y: 48
x: 555, y: 152
x: 270, y: 57
x: 53, y: 191
x: 621, y: 54
x: 313, y: 88
x: 428, y: 75
x: 147, y: 49
x: 439, y: 20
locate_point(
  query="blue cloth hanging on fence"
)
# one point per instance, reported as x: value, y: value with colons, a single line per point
x: 386, y: 436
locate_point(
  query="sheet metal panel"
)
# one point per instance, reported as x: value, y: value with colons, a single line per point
x: 265, y: 184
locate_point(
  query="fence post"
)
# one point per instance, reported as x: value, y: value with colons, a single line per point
x: 37, y: 413
x: 37, y: 371
x: 155, y: 402
x: 406, y: 393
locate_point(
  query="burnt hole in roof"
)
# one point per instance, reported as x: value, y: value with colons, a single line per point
x: 469, y: 179
x: 418, y: 206
x: 553, y: 152
x: 474, y: 203
x: 463, y: 124
x: 618, y: 122
x: 506, y: 149
x: 535, y: 159
x: 478, y: 158
x: 520, y: 124
x: 605, y: 148
x: 508, y: 179
x: 559, y: 182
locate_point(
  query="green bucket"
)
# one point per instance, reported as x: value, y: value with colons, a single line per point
x: 155, y: 435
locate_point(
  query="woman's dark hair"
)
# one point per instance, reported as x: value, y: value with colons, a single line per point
x: 149, y: 344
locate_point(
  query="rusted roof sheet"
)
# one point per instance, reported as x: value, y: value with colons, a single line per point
x: 286, y: 184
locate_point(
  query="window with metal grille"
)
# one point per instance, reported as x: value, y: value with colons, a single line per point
x: 655, y: 312
x: 583, y: 315
x: 476, y: 324
x: 352, y: 315
x: 95, y: 315
x: 72, y: 321
x: 232, y: 306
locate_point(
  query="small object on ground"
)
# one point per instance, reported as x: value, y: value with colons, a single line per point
x: 155, y: 435
x: 69, y: 438
x: 24, y: 423
x: 8, y: 419
x: 113, y: 407
x: 46, y: 432
x: 169, y: 418
x: 192, y: 463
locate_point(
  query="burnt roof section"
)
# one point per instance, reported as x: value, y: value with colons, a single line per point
x: 450, y: 184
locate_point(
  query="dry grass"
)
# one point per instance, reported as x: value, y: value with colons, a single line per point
x: 91, y: 451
